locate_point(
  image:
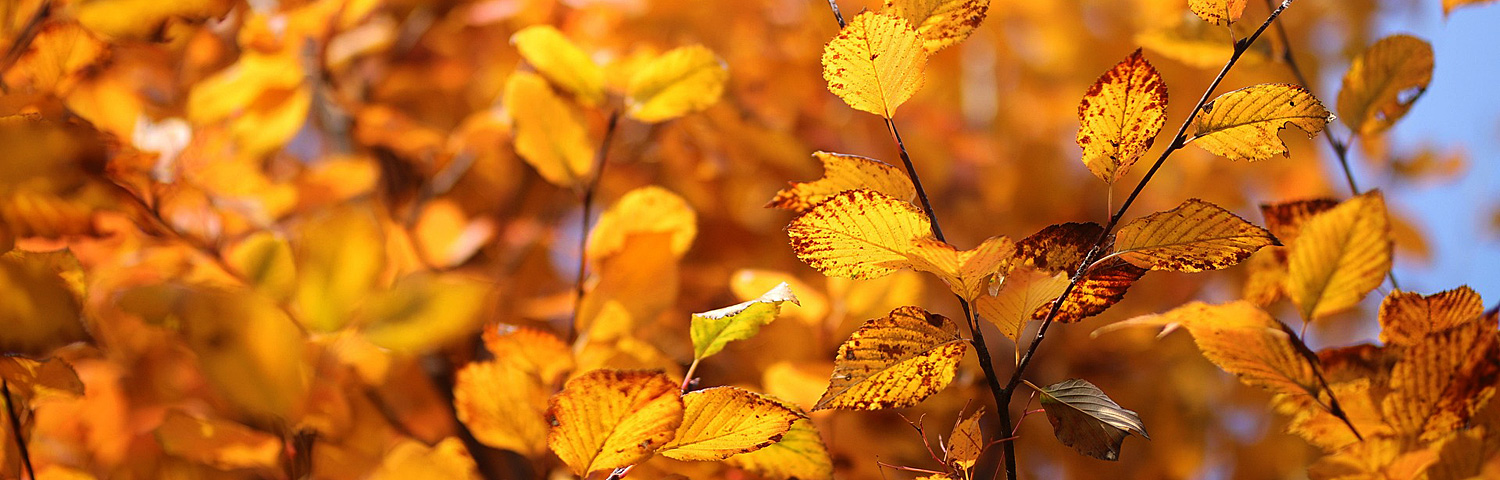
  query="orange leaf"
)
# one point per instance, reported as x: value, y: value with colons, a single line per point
x: 1193, y: 237
x: 894, y: 362
x: 940, y: 23
x: 1120, y: 117
x: 844, y: 172
x: 1406, y: 317
x: 607, y: 419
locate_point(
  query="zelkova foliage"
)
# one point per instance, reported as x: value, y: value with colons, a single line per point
x: 359, y: 240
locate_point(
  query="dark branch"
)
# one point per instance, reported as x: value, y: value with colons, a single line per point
x: 587, y: 199
x: 15, y: 430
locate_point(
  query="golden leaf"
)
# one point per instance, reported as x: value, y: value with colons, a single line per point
x: 682, y: 81
x: 539, y: 354
x: 550, y: 134
x: 1242, y: 125
x: 1406, y: 317
x: 340, y: 257
x: 714, y: 329
x: 247, y: 347
x: 1384, y: 82
x: 845, y: 172
x: 858, y: 234
x: 1060, y: 249
x: 264, y: 261
x: 650, y: 209
x: 799, y: 455
x: 422, y: 312
x: 1285, y: 219
x: 875, y: 63
x: 143, y: 18
x: 723, y: 421
x: 56, y: 58
x: 966, y: 442
x: 40, y: 311
x: 1120, y: 116
x: 1193, y: 237
x: 749, y: 284
x: 263, y: 95
x: 1084, y: 418
x: 636, y: 284
x: 1449, y: 5
x: 1376, y: 458
x: 503, y: 405
x: 1218, y: 12
x: 220, y: 443
x: 965, y: 272
x: 1313, y: 422
x: 1020, y: 294
x: 1440, y: 382
x: 411, y: 460
x: 562, y: 62
x: 606, y: 419
x: 940, y: 23
x: 1340, y: 255
x: 894, y: 362
x: 33, y: 380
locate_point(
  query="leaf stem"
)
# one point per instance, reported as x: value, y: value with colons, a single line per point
x: 586, y: 197
x: 1178, y: 141
x: 687, y: 378
x: 15, y: 429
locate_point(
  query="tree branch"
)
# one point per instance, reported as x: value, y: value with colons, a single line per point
x: 586, y: 197
x: 15, y: 429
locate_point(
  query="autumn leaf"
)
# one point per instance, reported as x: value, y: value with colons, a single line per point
x: 940, y: 23
x: 265, y: 261
x: 1285, y: 219
x: 423, y: 312
x: 535, y: 352
x: 220, y: 443
x: 1406, y: 317
x: 875, y: 63
x: 562, y: 62
x: 264, y: 96
x: 1120, y: 117
x: 1218, y: 12
x: 1242, y: 125
x: 1383, y: 83
x: 858, y: 234
x: 1436, y: 384
x: 1193, y: 237
x: 1084, y: 418
x: 32, y: 380
x: 965, y: 272
x: 894, y: 362
x: 1060, y: 249
x: 56, y: 58
x: 549, y: 133
x: 966, y: 442
x: 714, y: 329
x: 1020, y: 294
x: 750, y: 284
x: 503, y: 405
x: 799, y: 455
x: 248, y: 348
x: 606, y: 419
x: 650, y: 209
x: 41, y: 311
x: 1339, y: 256
x: 679, y: 82
x: 1449, y: 5
x: 723, y: 421
x: 845, y: 172
x: 340, y: 257
x: 410, y: 459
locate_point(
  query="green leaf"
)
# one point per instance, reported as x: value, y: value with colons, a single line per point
x: 713, y: 329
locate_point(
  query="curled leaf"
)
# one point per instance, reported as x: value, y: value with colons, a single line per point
x: 607, y: 419
x: 875, y: 63
x: 714, y: 329
x: 1193, y: 237
x: 1242, y: 125
x: 966, y: 272
x: 1383, y: 83
x: 723, y: 421
x: 1060, y: 249
x: 845, y: 172
x: 1406, y: 317
x: 1084, y: 418
x: 894, y: 362
x: 1120, y: 116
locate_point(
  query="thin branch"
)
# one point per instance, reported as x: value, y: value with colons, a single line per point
x: 15, y: 429
x: 834, y: 5
x: 1178, y: 141
x: 23, y: 39
x: 587, y: 198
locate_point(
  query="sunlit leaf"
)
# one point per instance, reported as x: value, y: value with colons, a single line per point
x: 940, y: 23
x: 1060, y: 249
x: 966, y: 272
x: 1383, y: 83
x: 1339, y: 256
x: 714, y: 329
x: 550, y: 133
x: 220, y: 443
x: 264, y: 96
x: 1120, y: 117
x: 422, y: 312
x: 264, y: 261
x: 875, y: 63
x: 606, y: 419
x: 140, y: 18
x: 894, y: 362
x: 410, y: 459
x: 1242, y: 125
x: 858, y: 234
x: 750, y: 284
x: 1218, y: 12
x: 799, y: 455
x: 1193, y: 237
x: 1084, y: 418
x: 40, y: 380
x: 247, y: 347
x: 966, y: 442
x: 845, y: 172
x: 340, y: 256
x: 57, y: 56
x: 649, y: 209
x: 562, y: 62
x: 1022, y: 292
x: 1285, y: 219
x: 502, y: 405
x: 635, y: 284
x: 679, y: 82
x: 533, y: 351
x: 723, y: 421
x: 1437, y: 383
x: 1406, y: 317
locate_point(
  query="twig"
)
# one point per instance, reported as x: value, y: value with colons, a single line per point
x: 23, y: 39
x: 15, y: 430
x: 1178, y: 141
x: 587, y: 198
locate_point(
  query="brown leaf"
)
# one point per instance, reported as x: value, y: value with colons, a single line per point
x: 1060, y: 249
x: 894, y: 362
x: 1406, y: 317
x: 1084, y: 418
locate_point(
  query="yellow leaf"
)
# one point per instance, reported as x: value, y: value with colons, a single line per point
x: 650, y: 209
x: 1383, y: 83
x: 714, y: 329
x: 606, y: 419
x: 682, y: 81
x: 1285, y: 220
x: 1312, y: 421
x: 940, y: 23
x: 1060, y: 249
x: 875, y: 63
x: 1193, y: 237
x: 340, y: 257
x: 799, y: 455
x: 446, y: 236
x: 143, y: 18
x: 798, y: 383
x: 635, y: 285
x: 533, y: 351
x: 1339, y: 256
x: 39, y: 310
x: 845, y: 172
x: 549, y: 132
x: 264, y: 261
x: 1440, y: 381
x: 56, y: 58
x: 966, y: 442
x: 247, y: 347
x: 858, y: 234
x: 1218, y: 12
x: 1120, y: 116
x: 220, y: 443
x: 32, y: 380
x: 503, y: 405
x: 1242, y: 125
x: 411, y: 460
x: 749, y: 284
x: 1020, y: 294
x: 263, y: 95
x: 723, y: 421
x: 1198, y: 44
x: 967, y: 273
x: 1406, y: 317
x: 562, y: 62
x: 894, y: 362
x: 423, y: 312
